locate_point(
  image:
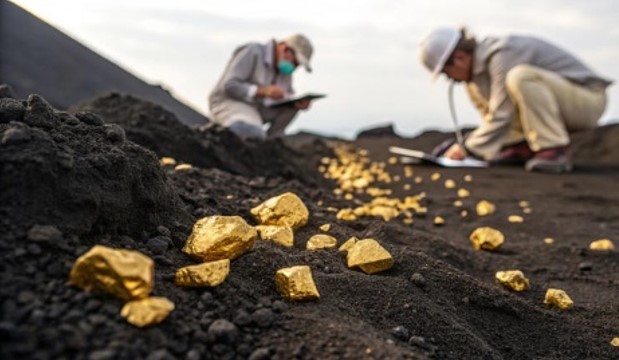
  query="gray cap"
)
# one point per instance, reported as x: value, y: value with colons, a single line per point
x: 303, y: 49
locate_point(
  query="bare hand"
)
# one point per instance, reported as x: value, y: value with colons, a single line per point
x: 455, y: 152
x: 302, y: 104
x: 272, y: 91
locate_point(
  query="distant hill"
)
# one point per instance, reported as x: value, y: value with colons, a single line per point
x: 36, y: 58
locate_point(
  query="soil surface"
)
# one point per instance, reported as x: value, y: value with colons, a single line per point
x: 72, y: 180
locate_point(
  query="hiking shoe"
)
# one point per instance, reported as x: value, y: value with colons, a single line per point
x: 517, y: 154
x: 554, y: 161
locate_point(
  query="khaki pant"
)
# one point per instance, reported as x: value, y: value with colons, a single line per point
x: 549, y: 107
x: 229, y: 112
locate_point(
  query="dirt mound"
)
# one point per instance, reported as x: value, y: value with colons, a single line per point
x: 79, y: 174
x: 70, y: 182
x: 159, y: 130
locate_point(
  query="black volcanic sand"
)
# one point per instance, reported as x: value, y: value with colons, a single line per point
x: 69, y: 181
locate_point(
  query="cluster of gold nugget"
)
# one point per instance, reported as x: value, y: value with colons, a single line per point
x: 125, y: 274
x: 227, y: 237
x: 357, y: 178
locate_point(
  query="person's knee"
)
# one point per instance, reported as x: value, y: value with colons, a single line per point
x: 245, y: 130
x: 518, y: 76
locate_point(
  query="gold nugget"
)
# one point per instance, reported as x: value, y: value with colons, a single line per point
x: 602, y: 245
x: 149, y: 311
x: 321, y: 241
x: 515, y: 219
x: 485, y: 208
x: 348, y: 244
x: 513, y: 279
x: 438, y: 221
x: 183, y: 167
x: 435, y: 176
x: 346, y: 215
x: 486, y: 238
x: 450, y: 184
x: 549, y: 241
x: 558, y: 298
x: 615, y: 342
x: 369, y: 256
x: 220, y: 237
x: 463, y: 193
x: 283, y: 210
x: 280, y: 235
x: 296, y: 283
x: 167, y: 161
x: 208, y: 274
x: 126, y: 274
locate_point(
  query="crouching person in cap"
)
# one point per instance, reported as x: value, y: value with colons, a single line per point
x: 531, y: 95
x: 256, y: 75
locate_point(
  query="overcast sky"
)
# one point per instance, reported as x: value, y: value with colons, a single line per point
x: 365, y: 56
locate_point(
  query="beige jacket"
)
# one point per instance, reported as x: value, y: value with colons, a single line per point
x: 493, y: 59
x: 252, y: 65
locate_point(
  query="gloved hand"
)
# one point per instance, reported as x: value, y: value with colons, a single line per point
x: 441, y: 148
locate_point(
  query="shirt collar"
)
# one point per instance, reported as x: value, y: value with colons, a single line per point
x: 269, y: 58
x: 483, y: 51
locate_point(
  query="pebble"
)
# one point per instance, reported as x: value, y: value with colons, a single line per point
x: 15, y: 136
x: 222, y: 330
x: 89, y: 118
x: 419, y: 280
x: 401, y: 333
x: 44, y: 233
x: 585, y: 266
x: 260, y: 354
x: 242, y: 318
x: 263, y: 317
x: 158, y: 245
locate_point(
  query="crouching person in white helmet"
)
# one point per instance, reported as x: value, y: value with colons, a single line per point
x: 256, y: 75
x: 531, y: 95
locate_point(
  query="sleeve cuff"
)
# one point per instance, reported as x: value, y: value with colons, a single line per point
x: 251, y: 93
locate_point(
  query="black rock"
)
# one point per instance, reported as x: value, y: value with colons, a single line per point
x: 6, y: 92
x: 164, y: 231
x: 222, y: 330
x: 419, y: 280
x: 242, y: 318
x: 89, y: 118
x: 44, y: 233
x: 585, y: 266
x: 279, y: 306
x: 263, y: 317
x: 400, y: 332
x: 39, y: 113
x: 115, y: 134
x: 260, y: 354
x: 11, y: 110
x: 158, y: 245
x: 15, y: 135
x: 386, y: 130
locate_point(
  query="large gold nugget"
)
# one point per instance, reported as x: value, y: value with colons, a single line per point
x: 220, y: 237
x: 348, y: 244
x: 149, y: 311
x: 208, y: 274
x: 513, y: 279
x: 485, y: 208
x: 558, y: 298
x: 283, y: 210
x: 486, y: 238
x: 602, y: 245
x: 321, y: 241
x: 296, y: 283
x: 281, y: 235
x: 126, y: 274
x: 368, y: 255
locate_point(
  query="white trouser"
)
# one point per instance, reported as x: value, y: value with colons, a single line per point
x: 549, y: 107
x: 229, y: 112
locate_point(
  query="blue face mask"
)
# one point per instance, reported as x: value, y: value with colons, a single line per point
x: 285, y: 67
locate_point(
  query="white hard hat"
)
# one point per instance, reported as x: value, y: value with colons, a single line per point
x: 436, y: 47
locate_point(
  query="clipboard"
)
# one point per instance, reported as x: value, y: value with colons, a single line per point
x: 292, y: 100
x: 420, y: 157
